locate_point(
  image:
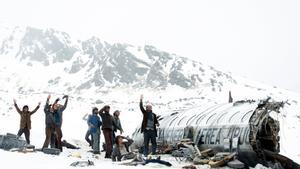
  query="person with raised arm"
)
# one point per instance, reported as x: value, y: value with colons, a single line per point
x: 57, y: 114
x: 25, y: 121
x: 49, y: 122
x: 148, y: 127
x: 107, y: 128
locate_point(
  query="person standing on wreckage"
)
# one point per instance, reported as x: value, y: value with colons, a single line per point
x: 148, y: 127
x: 25, y: 121
x: 50, y: 125
x: 57, y: 114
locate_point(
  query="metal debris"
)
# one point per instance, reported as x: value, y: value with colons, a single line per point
x: 82, y: 163
x: 11, y: 141
x: 51, y: 151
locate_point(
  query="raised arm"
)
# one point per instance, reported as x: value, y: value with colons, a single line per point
x: 66, y: 102
x: 85, y: 117
x: 47, y: 103
x: 16, y: 106
x: 37, y: 107
x: 141, y: 105
x: 101, y: 111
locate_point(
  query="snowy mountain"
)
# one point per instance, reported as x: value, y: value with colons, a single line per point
x: 36, y: 62
x: 107, y: 64
x: 75, y: 66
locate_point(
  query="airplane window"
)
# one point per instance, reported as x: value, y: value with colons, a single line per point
x: 243, y: 118
x: 201, y: 113
x: 221, y: 117
x: 210, y: 111
x: 210, y: 118
x: 193, y: 119
x: 173, y: 120
x: 200, y: 118
x: 187, y: 123
x: 181, y: 120
x: 174, y: 113
x: 233, y: 116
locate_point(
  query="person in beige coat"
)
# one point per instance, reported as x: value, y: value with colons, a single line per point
x: 25, y: 121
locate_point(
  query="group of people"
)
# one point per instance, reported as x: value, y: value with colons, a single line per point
x: 109, y: 125
x: 53, y: 122
x: 116, y: 147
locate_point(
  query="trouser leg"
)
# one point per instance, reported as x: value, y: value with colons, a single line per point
x: 87, y: 135
x: 48, y: 132
x: 20, y: 132
x: 96, y: 142
x: 58, y: 137
x: 53, y: 142
x: 113, y: 137
x: 153, y: 142
x: 146, y: 142
x: 27, y: 135
x: 108, y: 142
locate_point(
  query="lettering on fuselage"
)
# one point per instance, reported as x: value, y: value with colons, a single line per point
x: 211, y: 135
x: 216, y: 135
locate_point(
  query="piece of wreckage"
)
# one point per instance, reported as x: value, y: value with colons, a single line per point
x: 244, y: 128
x: 13, y: 143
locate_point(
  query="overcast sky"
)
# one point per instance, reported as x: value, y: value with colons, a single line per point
x: 258, y: 39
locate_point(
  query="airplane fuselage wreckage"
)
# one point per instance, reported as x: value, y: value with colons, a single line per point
x: 245, y: 127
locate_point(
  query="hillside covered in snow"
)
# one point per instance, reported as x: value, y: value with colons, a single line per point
x: 36, y: 62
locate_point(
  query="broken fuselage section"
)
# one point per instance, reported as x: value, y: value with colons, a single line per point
x: 244, y: 127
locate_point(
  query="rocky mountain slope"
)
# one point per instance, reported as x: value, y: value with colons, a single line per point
x: 36, y: 62
x: 59, y: 63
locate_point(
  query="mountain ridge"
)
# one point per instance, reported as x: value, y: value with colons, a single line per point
x: 107, y: 63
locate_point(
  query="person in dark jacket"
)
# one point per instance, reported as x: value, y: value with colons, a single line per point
x: 25, y: 121
x: 121, y: 149
x: 107, y: 128
x: 116, y: 124
x: 57, y: 118
x: 148, y: 127
x: 95, y: 124
x: 50, y: 125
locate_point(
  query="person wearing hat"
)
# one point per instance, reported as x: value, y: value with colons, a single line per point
x: 25, y: 121
x: 107, y: 128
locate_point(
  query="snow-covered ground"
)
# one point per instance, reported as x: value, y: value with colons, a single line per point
x: 30, y: 82
x: 42, y: 161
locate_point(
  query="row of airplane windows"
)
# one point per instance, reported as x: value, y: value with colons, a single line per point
x: 198, y: 118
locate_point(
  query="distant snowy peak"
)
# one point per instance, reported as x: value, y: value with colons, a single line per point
x: 45, y: 46
x: 107, y: 64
